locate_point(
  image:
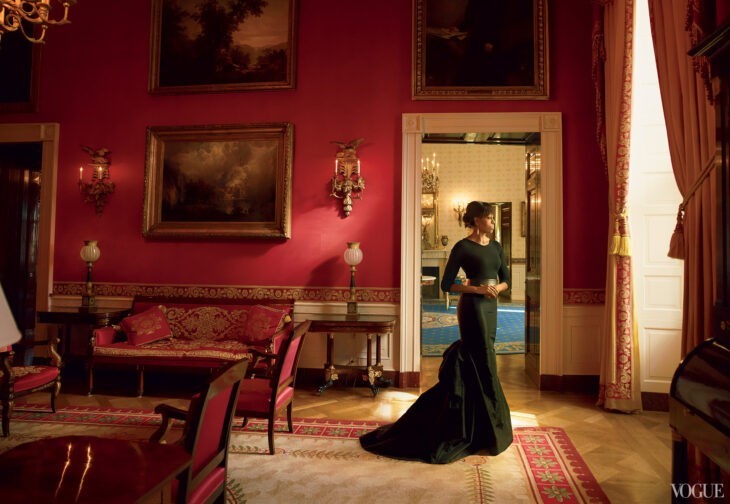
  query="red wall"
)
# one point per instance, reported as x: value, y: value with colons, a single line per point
x: 353, y: 80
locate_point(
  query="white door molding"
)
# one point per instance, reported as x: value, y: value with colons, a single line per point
x: 549, y: 125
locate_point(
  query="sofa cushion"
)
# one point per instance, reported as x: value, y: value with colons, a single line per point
x: 262, y: 323
x: 146, y: 327
x: 177, y: 349
x: 206, y: 323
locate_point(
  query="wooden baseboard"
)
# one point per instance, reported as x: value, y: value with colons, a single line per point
x: 584, y: 384
x: 408, y: 379
x: 654, y: 401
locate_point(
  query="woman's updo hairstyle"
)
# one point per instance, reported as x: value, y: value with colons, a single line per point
x: 474, y: 210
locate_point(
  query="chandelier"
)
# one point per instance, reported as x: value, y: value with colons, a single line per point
x: 24, y: 14
x: 430, y: 174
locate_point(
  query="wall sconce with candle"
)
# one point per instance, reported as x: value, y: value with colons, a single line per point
x: 100, y: 185
x: 459, y: 209
x: 347, y: 182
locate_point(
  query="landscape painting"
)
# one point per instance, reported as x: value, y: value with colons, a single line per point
x: 204, y: 46
x: 223, y: 181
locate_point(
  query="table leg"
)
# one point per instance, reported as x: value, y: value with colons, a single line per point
x: 382, y: 382
x: 330, y: 373
x: 373, y: 372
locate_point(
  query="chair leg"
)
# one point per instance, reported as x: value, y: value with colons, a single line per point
x: 245, y: 422
x: 140, y: 381
x: 272, y: 420
x: 55, y: 390
x: 7, y: 410
x: 91, y: 378
x: 288, y: 417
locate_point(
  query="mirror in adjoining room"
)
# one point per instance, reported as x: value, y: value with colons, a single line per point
x: 457, y: 168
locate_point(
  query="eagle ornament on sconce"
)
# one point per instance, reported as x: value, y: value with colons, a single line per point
x: 347, y: 182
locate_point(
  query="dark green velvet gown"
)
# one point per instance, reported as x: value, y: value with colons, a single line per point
x: 466, y: 411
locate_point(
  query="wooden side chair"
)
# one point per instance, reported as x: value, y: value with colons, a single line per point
x: 18, y: 381
x: 205, y: 435
x: 263, y: 397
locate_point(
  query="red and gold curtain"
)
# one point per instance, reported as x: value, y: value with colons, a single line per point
x: 677, y: 25
x: 612, y: 70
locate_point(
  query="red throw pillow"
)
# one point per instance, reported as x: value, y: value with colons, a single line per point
x: 150, y: 325
x: 263, y: 322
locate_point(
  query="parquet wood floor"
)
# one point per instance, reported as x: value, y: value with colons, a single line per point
x: 630, y: 455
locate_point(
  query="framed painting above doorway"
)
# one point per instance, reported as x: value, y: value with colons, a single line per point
x: 480, y: 50
x: 19, y: 94
x: 207, y: 46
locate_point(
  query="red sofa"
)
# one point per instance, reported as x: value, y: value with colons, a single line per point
x: 189, y: 334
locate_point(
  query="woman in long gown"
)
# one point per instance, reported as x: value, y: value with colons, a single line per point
x: 466, y: 411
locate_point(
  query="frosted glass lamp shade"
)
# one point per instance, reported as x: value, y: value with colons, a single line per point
x: 353, y: 253
x: 90, y: 251
x: 9, y: 332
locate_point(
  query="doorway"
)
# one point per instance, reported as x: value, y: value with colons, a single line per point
x: 549, y: 126
x: 35, y: 145
x: 457, y: 168
x: 20, y: 182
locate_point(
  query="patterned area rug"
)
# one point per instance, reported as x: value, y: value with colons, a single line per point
x: 322, y: 462
x: 440, y: 329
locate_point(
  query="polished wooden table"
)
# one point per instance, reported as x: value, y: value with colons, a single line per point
x: 332, y: 324
x: 85, y: 469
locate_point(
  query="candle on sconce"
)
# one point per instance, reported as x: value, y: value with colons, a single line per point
x: 98, y: 172
x: 335, y: 167
x: 358, y: 167
x: 81, y: 173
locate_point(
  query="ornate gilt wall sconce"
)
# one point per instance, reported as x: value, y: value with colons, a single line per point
x: 100, y: 186
x: 347, y: 183
x: 459, y: 209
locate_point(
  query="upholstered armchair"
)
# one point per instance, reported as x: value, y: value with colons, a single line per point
x: 18, y: 381
x: 205, y: 435
x: 264, y: 396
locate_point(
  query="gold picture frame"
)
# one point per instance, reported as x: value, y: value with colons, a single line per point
x: 194, y: 53
x: 218, y: 181
x: 480, y: 50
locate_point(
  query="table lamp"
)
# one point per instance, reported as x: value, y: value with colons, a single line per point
x: 9, y: 332
x: 353, y: 257
x: 90, y: 253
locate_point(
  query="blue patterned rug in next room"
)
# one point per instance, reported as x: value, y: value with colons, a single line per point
x: 439, y: 329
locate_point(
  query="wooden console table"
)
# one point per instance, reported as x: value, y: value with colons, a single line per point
x: 66, y: 316
x: 332, y: 324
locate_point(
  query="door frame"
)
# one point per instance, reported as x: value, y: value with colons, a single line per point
x: 47, y: 134
x: 549, y: 125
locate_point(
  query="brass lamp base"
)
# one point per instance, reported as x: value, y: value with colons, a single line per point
x: 88, y: 301
x: 352, y: 309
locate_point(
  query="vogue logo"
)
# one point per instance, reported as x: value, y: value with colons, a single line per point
x: 698, y: 490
